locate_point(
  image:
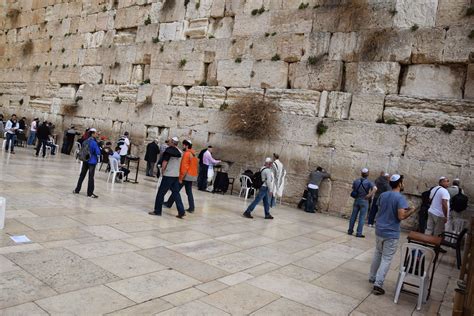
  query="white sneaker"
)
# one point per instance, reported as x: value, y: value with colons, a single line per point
x: 370, y: 225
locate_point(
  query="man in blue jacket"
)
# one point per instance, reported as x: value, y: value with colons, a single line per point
x: 89, y: 165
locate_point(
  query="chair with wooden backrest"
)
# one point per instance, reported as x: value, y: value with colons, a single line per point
x: 415, y: 265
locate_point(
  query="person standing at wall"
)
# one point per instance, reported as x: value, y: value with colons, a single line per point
x: 89, y: 156
x: 315, y: 179
x: 124, y: 144
x: 2, y: 126
x: 265, y: 192
x: 362, y: 191
x: 33, y: 129
x: 11, y: 128
x: 438, y: 213
x: 393, y: 208
x: 170, y: 181
x: 382, y: 186
x: 279, y: 174
x: 209, y: 162
x: 43, y: 137
x: 151, y: 157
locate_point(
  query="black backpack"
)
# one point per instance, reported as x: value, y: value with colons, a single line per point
x: 459, y: 202
x: 85, y: 152
x: 257, y: 181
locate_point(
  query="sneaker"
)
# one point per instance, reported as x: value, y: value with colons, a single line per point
x: 180, y: 216
x: 153, y: 213
x: 268, y: 217
x: 349, y: 233
x: 360, y: 236
x: 190, y: 210
x: 248, y: 215
x: 75, y: 192
x: 93, y: 196
x: 378, y: 290
x: 370, y: 225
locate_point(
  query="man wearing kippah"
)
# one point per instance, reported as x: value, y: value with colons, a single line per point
x: 362, y: 191
x: 393, y: 208
x: 438, y: 213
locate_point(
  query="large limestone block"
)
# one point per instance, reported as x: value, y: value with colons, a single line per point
x: 341, y: 201
x: 458, y: 44
x: 94, y: 40
x: 288, y: 46
x: 195, y: 96
x: 435, y: 81
x: 338, y: 105
x: 66, y: 93
x: 270, y: 74
x: 297, y: 129
x: 146, y: 33
x: 236, y: 94
x: 161, y: 95
x: 364, y: 137
x: 232, y: 74
x: 197, y: 28
x: 297, y: 102
x: 372, y: 77
x: 144, y: 93
x: 285, y: 21
x: 367, y: 107
x: 173, y: 31
x: 217, y: 9
x: 203, y: 10
x: 411, y: 12
x: 316, y: 44
x: 324, y: 75
x: 428, y: 45
x: 469, y: 88
x: 222, y: 28
x: 430, y: 112
x: 214, y: 97
x: 248, y: 25
x: 178, y: 96
x: 434, y: 145
x: 452, y: 12
x: 172, y: 11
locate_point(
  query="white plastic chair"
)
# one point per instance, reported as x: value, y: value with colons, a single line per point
x: 415, y: 265
x: 114, y: 169
x: 244, y: 181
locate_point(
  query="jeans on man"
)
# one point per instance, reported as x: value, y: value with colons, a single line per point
x: 86, y: 167
x: 202, y: 177
x: 435, y: 225
x: 360, y: 208
x: 169, y: 183
x: 262, y: 195
x: 11, y: 139
x: 31, y: 138
x: 41, y: 143
x: 385, y: 249
x: 373, y: 212
x: 52, y: 146
x: 311, y: 200
x: 188, y: 186
x: 150, y: 166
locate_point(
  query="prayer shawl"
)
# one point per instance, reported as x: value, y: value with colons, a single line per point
x: 279, y: 174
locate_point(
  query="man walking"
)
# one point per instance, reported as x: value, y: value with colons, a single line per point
x: 170, y: 170
x: 265, y: 192
x: 438, y: 213
x: 362, y: 191
x: 187, y: 174
x: 393, y: 208
x: 151, y: 157
x: 33, y: 129
x: 315, y: 179
x: 11, y: 127
x: 382, y: 186
x: 43, y: 138
x: 89, y: 165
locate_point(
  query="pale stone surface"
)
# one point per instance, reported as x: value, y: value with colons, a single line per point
x: 421, y: 12
x: 23, y: 309
x: 232, y: 74
x: 377, y: 77
x: 127, y: 265
x: 149, y: 307
x: 235, y: 262
x: 194, y: 308
x: 302, y: 102
x: 102, y: 248
x: 204, y: 249
x: 469, y: 88
x: 338, y: 105
x: 367, y: 107
x: 270, y: 74
x: 185, y: 296
x: 324, y: 75
x: 283, y: 306
x: 91, y: 74
x: 435, y: 81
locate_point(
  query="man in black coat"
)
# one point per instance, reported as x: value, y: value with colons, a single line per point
x: 151, y: 157
x: 42, y: 133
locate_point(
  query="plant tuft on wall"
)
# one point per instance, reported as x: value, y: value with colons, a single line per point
x: 448, y: 128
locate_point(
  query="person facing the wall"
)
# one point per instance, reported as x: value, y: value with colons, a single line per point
x: 382, y: 186
x: 315, y: 179
x: 362, y: 191
x: 151, y: 157
x: 124, y: 144
x: 33, y: 129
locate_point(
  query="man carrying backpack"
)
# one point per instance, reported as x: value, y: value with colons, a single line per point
x: 362, y: 191
x: 263, y: 181
x: 89, y: 155
x: 458, y: 200
x: 188, y: 172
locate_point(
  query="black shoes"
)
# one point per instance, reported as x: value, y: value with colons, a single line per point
x: 378, y: 290
x: 360, y: 236
x: 75, y: 192
x: 268, y: 217
x: 180, y: 216
x: 93, y: 196
x: 153, y: 213
x: 190, y: 210
x: 248, y: 215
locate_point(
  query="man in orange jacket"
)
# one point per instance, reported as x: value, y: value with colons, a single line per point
x: 188, y: 173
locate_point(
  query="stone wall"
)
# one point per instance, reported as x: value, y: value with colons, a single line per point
x: 382, y: 75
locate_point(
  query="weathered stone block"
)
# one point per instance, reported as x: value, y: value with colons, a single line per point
x: 178, y: 96
x: 194, y: 97
x: 421, y: 12
x: 288, y: 47
x: 236, y: 94
x: 338, y: 105
x: 323, y: 104
x: 197, y: 28
x: 285, y: 21
x: 91, y: 74
x: 222, y: 28
x: 458, y: 45
x: 248, y: 25
x: 428, y: 46
x: 232, y: 74
x: 146, y: 33
x: 172, y: 11
x: 435, y: 81
x: 144, y: 91
x: 376, y: 77
x: 296, y: 102
x: 214, y: 97
x: 161, y: 95
x: 66, y: 93
x: 172, y: 31
x: 270, y: 74
x: 324, y: 75
x: 203, y: 10
x: 469, y: 88
x: 367, y: 107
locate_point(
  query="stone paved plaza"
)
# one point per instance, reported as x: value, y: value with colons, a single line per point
x: 106, y: 255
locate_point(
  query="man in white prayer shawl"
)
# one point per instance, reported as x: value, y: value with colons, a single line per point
x: 279, y: 174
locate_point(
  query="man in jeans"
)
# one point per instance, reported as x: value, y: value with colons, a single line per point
x: 438, y: 213
x: 364, y: 190
x: 11, y: 127
x: 33, y: 129
x: 315, y: 179
x: 393, y: 208
x: 170, y: 165
x: 265, y: 192
x: 89, y: 166
x: 382, y: 186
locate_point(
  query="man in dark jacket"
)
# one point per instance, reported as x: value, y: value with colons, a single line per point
x: 42, y: 133
x: 151, y: 157
x: 382, y: 184
x: 89, y: 166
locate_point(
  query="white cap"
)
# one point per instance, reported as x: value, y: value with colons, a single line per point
x: 386, y: 174
x: 189, y: 141
x: 364, y: 170
x: 442, y: 178
x: 92, y: 130
x: 268, y: 160
x: 394, y: 177
x: 457, y: 179
x: 175, y: 139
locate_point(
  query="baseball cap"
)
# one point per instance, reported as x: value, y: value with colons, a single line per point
x: 364, y: 170
x: 394, y: 178
x: 92, y: 130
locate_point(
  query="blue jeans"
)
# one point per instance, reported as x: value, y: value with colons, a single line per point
x: 188, y: 186
x: 385, y: 249
x: 262, y: 195
x: 11, y: 139
x: 31, y: 138
x: 311, y: 200
x: 169, y: 183
x: 360, y: 208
